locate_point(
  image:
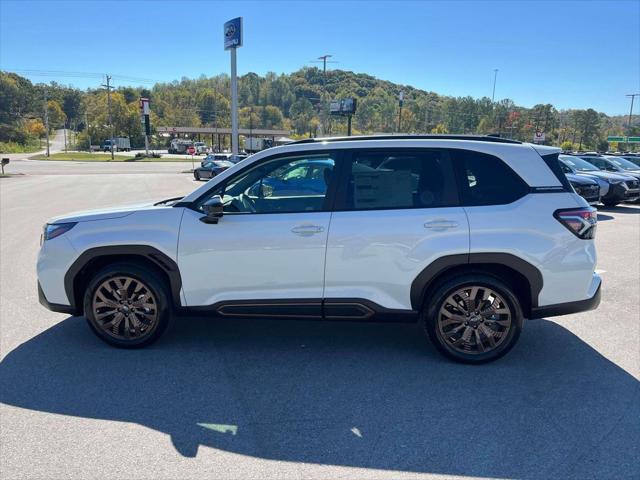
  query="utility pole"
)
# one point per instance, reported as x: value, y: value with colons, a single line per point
x: 495, y: 76
x: 64, y: 131
x: 250, y: 126
x: 86, y: 126
x: 324, y: 64
x: 46, y: 119
x: 400, y: 102
x: 633, y: 96
x: 323, y: 59
x: 109, y: 87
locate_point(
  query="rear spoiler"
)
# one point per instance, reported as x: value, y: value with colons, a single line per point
x: 544, y: 149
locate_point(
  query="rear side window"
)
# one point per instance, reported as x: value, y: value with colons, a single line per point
x: 392, y: 179
x: 486, y: 180
x: 559, y: 169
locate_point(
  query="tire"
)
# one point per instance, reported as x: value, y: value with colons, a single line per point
x: 137, y: 323
x: 196, y: 175
x: 466, y: 338
x: 610, y: 203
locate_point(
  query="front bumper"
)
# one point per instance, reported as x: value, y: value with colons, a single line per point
x: 54, y: 307
x: 619, y: 193
x: 569, y: 307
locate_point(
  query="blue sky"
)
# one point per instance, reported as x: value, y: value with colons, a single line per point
x: 573, y: 54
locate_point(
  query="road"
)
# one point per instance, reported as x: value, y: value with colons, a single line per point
x: 56, y: 144
x: 244, y: 399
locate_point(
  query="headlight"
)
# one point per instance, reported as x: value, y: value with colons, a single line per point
x: 56, y: 229
x: 615, y: 182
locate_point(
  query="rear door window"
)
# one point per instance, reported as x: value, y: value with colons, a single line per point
x: 398, y: 179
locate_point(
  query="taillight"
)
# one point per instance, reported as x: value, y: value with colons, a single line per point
x: 580, y: 221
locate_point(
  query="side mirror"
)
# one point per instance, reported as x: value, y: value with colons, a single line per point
x: 213, y: 210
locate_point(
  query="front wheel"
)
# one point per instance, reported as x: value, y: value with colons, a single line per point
x: 473, y: 318
x: 127, y: 305
x: 610, y: 203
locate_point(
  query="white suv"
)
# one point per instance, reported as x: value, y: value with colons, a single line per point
x: 467, y: 235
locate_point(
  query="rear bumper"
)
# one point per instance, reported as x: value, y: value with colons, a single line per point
x: 54, y: 307
x: 569, y: 307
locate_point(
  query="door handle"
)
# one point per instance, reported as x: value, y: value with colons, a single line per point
x: 440, y: 224
x: 307, y: 230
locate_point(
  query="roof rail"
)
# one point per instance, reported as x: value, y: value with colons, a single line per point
x: 435, y: 136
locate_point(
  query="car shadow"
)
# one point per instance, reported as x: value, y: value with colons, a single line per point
x: 351, y: 394
x: 632, y: 209
x: 602, y: 217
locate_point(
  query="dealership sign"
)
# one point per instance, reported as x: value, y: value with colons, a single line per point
x: 233, y: 33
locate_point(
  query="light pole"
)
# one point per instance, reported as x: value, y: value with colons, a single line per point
x: 633, y: 96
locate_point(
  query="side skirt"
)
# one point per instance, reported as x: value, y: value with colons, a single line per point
x: 349, y: 309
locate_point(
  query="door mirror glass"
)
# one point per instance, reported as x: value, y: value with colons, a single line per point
x: 213, y: 209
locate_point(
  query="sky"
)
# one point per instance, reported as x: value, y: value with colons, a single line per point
x: 572, y: 54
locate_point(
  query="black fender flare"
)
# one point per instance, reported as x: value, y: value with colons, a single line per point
x: 421, y: 283
x: 152, y: 254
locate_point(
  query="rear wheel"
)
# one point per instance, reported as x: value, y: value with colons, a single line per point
x: 196, y: 175
x: 127, y: 305
x: 473, y: 318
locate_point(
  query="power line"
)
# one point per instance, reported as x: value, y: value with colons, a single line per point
x: 73, y: 74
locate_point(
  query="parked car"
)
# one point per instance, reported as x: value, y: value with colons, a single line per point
x: 216, y: 156
x: 610, y: 163
x: 238, y: 158
x: 634, y: 158
x: 211, y: 169
x: 587, y: 188
x: 491, y: 233
x: 621, y: 188
x: 304, y: 178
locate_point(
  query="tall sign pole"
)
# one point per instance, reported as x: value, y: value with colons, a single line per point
x: 233, y: 40
x: 144, y: 113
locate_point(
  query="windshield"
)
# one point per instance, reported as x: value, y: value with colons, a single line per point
x: 223, y: 163
x: 623, y: 163
x: 578, y: 164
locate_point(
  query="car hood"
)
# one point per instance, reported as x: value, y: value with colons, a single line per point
x: 580, y: 179
x: 606, y: 175
x: 104, y: 213
x: 631, y: 173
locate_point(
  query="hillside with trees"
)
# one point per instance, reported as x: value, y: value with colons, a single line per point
x: 297, y: 102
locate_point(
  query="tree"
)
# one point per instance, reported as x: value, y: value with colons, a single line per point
x: 440, y: 128
x: 35, y: 127
x: 301, y: 113
x: 589, y: 122
x: 57, y: 118
x: 566, y: 146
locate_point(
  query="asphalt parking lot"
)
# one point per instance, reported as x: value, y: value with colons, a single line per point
x: 281, y: 399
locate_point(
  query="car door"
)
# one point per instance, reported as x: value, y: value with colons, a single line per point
x: 396, y: 212
x: 269, y: 246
